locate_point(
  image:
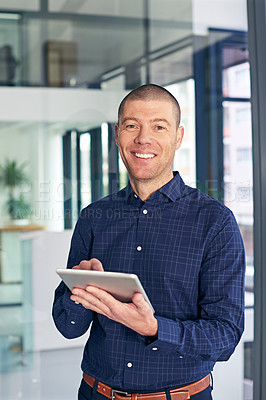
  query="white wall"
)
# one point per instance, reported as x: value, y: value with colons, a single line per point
x: 67, y: 106
x: 224, y: 14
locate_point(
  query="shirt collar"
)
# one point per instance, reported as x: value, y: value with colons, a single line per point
x: 173, y: 189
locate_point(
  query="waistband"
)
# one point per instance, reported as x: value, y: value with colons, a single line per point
x: 182, y: 393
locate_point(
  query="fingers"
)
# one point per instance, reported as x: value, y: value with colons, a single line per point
x: 92, y: 264
x: 137, y: 315
x: 96, y: 264
x: 85, y: 264
x: 93, y: 298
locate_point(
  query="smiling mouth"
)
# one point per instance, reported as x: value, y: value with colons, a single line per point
x: 146, y: 156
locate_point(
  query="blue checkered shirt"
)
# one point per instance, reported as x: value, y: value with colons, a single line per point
x: 187, y: 250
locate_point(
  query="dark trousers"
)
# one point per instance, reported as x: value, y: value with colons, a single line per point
x: 87, y: 393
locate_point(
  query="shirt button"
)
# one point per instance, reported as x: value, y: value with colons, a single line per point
x: 180, y: 356
x: 145, y: 211
x: 139, y: 248
x: 155, y: 348
x: 129, y: 365
x: 73, y: 322
x: 135, y: 195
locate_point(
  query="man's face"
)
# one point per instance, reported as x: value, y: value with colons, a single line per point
x: 147, y: 137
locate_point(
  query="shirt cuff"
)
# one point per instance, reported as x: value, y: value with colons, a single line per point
x: 169, y: 334
x: 71, y: 305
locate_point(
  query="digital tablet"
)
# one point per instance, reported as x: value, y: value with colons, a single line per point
x: 121, y: 285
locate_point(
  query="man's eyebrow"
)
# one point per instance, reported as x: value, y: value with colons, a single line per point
x: 152, y: 120
x: 160, y: 120
x: 129, y: 119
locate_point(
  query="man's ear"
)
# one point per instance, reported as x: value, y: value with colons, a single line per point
x: 116, y: 133
x: 180, y: 135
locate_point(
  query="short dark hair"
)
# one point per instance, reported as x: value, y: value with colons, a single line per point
x: 150, y: 92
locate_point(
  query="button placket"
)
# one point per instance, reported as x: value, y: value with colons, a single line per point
x: 143, y: 213
x: 129, y: 360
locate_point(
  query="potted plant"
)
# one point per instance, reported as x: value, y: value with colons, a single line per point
x: 12, y: 176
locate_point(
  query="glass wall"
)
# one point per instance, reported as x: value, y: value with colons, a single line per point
x: 238, y: 184
x: 64, y: 68
x: 87, y: 43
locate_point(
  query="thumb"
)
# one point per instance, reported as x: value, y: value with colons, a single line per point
x: 140, y: 302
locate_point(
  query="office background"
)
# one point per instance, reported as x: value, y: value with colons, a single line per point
x: 64, y: 67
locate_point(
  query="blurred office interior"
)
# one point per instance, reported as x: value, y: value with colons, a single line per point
x: 64, y: 68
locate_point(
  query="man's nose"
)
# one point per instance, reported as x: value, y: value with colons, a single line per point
x: 143, y: 136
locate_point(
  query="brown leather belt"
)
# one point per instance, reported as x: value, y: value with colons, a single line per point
x: 182, y: 393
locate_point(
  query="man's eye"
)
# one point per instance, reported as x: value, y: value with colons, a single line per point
x: 131, y: 126
x: 160, y: 128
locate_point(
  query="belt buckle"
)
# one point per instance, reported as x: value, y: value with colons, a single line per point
x: 113, y: 391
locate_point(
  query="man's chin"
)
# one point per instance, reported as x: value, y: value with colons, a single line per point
x: 142, y: 175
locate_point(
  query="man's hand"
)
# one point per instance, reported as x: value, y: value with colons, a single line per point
x: 137, y: 315
x: 92, y: 264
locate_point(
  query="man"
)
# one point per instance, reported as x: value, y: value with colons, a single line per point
x: 188, y: 253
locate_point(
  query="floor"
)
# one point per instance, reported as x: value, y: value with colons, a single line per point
x: 45, y: 375
x: 48, y: 375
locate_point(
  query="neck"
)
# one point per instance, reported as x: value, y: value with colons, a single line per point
x: 144, y: 188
